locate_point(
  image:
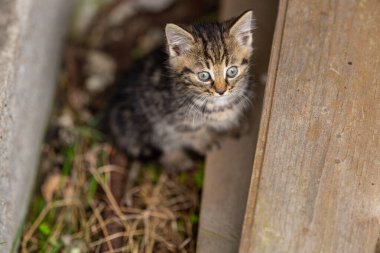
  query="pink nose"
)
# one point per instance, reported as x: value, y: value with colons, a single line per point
x: 220, y: 88
x: 220, y: 92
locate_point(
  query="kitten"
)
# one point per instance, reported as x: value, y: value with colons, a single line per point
x: 188, y: 98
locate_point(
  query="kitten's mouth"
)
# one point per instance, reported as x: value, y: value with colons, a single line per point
x: 222, y: 99
x: 224, y: 94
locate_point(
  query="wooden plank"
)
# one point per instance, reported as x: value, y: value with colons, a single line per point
x: 316, y: 186
x: 229, y: 169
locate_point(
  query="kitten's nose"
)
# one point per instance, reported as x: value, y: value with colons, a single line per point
x: 220, y: 88
x: 220, y: 92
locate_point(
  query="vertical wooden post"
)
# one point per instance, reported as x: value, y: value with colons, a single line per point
x: 228, y: 170
x: 317, y: 186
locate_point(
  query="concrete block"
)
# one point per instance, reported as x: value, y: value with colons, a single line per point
x: 31, y: 34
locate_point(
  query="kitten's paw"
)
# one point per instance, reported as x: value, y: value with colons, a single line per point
x: 176, y: 161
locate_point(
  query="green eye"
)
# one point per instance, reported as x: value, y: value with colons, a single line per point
x: 204, y: 76
x: 232, y: 71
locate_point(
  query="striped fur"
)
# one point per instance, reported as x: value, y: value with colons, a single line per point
x: 167, y: 109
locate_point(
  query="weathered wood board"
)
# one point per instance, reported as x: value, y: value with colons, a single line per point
x: 228, y: 170
x: 316, y: 180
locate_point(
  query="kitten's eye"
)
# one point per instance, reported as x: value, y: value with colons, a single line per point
x: 232, y: 71
x: 204, y: 76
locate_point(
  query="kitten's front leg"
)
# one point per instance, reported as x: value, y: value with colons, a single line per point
x: 176, y: 160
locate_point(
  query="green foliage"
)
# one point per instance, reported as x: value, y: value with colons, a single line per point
x: 194, y: 218
x: 44, y: 229
x: 69, y: 153
x: 55, y: 245
x: 38, y: 204
x: 92, y: 188
x: 199, y: 177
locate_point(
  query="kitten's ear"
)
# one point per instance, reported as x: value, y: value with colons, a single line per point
x: 242, y: 29
x: 179, y: 40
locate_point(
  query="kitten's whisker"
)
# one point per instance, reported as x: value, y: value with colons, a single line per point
x: 200, y: 109
x: 190, y: 110
x: 204, y: 106
x: 193, y: 108
x: 246, y: 101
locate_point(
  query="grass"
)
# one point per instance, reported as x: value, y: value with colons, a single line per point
x: 159, y: 212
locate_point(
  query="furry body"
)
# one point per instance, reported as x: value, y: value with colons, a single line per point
x: 163, y: 106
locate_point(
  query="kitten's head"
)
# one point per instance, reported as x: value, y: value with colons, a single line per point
x: 212, y: 58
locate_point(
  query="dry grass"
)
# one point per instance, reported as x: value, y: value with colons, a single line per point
x: 159, y: 212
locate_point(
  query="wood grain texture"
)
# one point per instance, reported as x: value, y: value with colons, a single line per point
x: 228, y: 170
x: 316, y: 181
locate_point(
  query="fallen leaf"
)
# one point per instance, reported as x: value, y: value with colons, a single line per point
x: 50, y: 186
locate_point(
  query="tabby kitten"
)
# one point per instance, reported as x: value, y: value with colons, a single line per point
x: 187, y: 98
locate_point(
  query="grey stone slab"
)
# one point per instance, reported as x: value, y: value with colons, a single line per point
x: 31, y: 34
